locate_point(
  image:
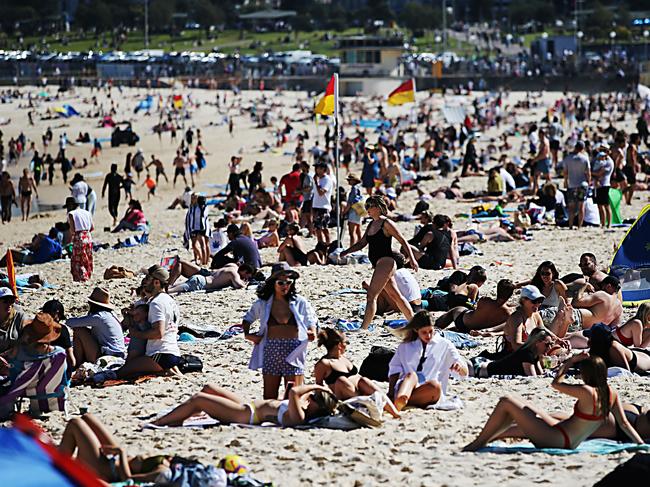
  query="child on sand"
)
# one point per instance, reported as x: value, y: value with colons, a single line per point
x: 151, y: 185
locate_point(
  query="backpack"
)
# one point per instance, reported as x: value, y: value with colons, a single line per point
x: 375, y: 365
x: 190, y: 473
x: 190, y: 363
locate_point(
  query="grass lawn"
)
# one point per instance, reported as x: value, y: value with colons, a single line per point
x: 247, y: 42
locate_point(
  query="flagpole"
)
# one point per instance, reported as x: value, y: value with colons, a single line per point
x: 336, y: 158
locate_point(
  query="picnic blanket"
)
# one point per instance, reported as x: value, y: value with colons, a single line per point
x: 595, y: 446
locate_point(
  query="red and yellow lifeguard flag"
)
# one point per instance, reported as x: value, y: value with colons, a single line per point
x: 404, y: 93
x: 178, y: 102
x: 11, y: 273
x: 327, y: 104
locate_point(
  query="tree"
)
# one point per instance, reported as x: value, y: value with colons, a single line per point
x: 522, y: 12
x: 416, y: 16
x: 599, y: 22
x: 160, y: 14
x: 206, y: 14
x: 94, y: 14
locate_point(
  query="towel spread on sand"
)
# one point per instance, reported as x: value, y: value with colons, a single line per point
x: 595, y: 446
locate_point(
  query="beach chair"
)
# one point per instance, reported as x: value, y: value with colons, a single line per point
x: 44, y: 382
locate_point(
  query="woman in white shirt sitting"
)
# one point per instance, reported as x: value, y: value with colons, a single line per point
x: 420, y: 368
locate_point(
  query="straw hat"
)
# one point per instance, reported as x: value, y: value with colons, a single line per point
x: 100, y: 297
x: 42, y: 329
x: 353, y: 178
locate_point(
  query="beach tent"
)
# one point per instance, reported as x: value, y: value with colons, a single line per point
x: 631, y: 262
x: 26, y: 461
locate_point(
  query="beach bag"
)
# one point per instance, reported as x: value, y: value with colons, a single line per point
x: 190, y: 363
x: 360, y: 208
x: 365, y: 410
x: 116, y: 272
x: 190, y: 473
x: 375, y: 365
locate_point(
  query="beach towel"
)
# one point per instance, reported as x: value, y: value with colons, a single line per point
x: 460, y: 340
x: 594, y: 446
x: 615, y: 197
x: 348, y: 326
x: 347, y: 290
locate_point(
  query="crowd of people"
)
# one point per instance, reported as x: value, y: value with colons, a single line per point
x: 568, y: 174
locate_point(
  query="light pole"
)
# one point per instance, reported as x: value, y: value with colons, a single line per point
x: 146, y: 24
x: 646, y: 34
x: 579, y: 36
x: 612, y: 36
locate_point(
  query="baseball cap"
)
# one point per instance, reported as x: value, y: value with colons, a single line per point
x: 531, y: 292
x: 6, y: 292
x: 158, y: 272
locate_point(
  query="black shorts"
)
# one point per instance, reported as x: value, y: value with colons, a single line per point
x: 306, y: 206
x: 347, y: 159
x: 554, y: 144
x: 197, y: 233
x: 630, y: 174
x: 430, y: 263
x: 166, y: 360
x: 179, y: 171
x: 618, y: 176
x: 576, y: 195
x: 602, y: 195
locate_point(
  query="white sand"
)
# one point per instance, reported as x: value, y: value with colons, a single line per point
x: 423, y: 448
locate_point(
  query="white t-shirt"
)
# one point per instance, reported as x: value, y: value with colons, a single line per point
x: 407, y: 285
x: 508, y: 180
x: 164, y: 308
x: 79, y: 191
x: 323, y: 201
x: 218, y: 240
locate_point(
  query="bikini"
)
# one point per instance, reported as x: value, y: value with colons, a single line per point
x: 336, y: 374
x: 255, y: 419
x: 632, y: 418
x: 585, y: 417
x: 628, y: 342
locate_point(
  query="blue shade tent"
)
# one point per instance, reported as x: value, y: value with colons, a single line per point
x: 23, y: 463
x: 631, y: 263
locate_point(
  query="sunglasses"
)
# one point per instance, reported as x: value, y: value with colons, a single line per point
x: 284, y: 282
x: 546, y: 273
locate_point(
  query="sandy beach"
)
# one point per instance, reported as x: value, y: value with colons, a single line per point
x: 422, y: 448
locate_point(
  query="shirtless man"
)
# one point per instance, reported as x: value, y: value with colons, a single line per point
x: 25, y: 186
x: 542, y: 162
x: 233, y: 275
x: 179, y: 167
x: 7, y: 196
x: 160, y: 169
x: 590, y: 279
x: 488, y: 313
x: 603, y: 306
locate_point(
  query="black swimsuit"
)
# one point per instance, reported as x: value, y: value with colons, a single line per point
x: 336, y: 374
x: 379, y: 245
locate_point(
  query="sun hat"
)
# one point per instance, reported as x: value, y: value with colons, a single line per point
x: 531, y: 292
x: 100, y: 297
x: 283, y: 268
x: 42, y: 329
x: 6, y: 292
x: 158, y: 272
x: 353, y: 177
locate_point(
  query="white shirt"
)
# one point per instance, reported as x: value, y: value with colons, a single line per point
x: 164, y: 308
x: 591, y: 212
x: 218, y: 240
x: 440, y: 355
x: 323, y: 201
x: 407, y: 285
x: 82, y: 219
x: 508, y: 180
x: 79, y: 192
